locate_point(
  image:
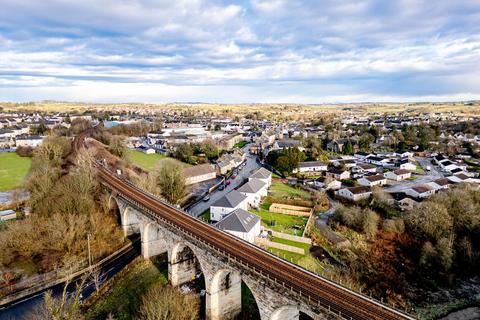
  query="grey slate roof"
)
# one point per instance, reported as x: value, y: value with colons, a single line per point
x: 305, y: 164
x: 261, y: 173
x: 230, y: 200
x: 252, y: 186
x: 239, y: 220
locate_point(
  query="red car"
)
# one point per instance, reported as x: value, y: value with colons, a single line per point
x: 227, y: 182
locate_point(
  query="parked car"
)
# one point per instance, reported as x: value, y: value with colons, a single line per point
x: 233, y: 176
x: 206, y: 198
x: 227, y: 182
x: 222, y: 187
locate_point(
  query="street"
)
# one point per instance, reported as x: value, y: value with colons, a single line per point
x: 29, y: 306
x: 429, y: 176
x: 249, y: 168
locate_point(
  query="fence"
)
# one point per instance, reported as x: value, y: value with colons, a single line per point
x: 290, y: 237
x: 290, y: 210
x: 267, y: 243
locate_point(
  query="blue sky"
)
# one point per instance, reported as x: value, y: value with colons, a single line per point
x: 240, y: 51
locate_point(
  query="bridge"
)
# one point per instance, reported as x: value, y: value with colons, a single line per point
x: 282, y: 290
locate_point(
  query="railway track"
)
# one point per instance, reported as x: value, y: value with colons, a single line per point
x: 313, y: 288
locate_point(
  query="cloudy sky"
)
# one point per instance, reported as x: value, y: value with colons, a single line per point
x: 310, y: 51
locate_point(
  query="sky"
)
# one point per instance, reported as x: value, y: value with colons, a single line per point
x: 278, y: 51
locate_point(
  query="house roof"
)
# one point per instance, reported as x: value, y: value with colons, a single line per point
x: 336, y: 171
x: 377, y: 177
x: 366, y: 166
x: 239, y: 220
x: 359, y: 190
x: 422, y: 188
x: 261, y: 173
x: 230, y: 200
x: 401, y: 171
x: 288, y: 143
x: 462, y: 176
x: 252, y: 186
x: 306, y: 164
x: 198, y: 170
x: 442, y: 182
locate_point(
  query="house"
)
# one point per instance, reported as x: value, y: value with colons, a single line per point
x: 226, y: 204
x: 364, y: 167
x: 287, y: 143
x: 241, y: 224
x: 328, y: 184
x: 378, y: 161
x: 264, y: 175
x: 28, y: 141
x: 420, y: 192
x: 254, y: 190
x: 406, y: 164
x: 229, y: 141
x: 371, y: 181
x: 309, y: 167
x: 199, y: 173
x: 228, y: 162
x: 441, y: 184
x: 355, y: 193
x: 146, y: 150
x: 363, y: 155
x: 398, y: 175
x: 338, y: 174
x: 6, y: 215
x: 404, y: 201
x: 339, y: 145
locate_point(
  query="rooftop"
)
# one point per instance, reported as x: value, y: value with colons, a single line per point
x: 239, y: 220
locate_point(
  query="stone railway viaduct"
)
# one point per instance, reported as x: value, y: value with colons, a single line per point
x: 188, y: 257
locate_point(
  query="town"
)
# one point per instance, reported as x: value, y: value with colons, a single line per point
x: 320, y: 191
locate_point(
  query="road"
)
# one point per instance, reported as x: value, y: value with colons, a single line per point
x: 24, y: 308
x: 252, y: 165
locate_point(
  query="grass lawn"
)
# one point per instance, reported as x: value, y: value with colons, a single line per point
x: 304, y: 246
x: 13, y: 170
x: 206, y: 215
x: 419, y: 169
x: 306, y: 261
x: 284, y: 223
x: 143, y: 160
x: 282, y: 190
x: 241, y: 144
x: 123, y: 300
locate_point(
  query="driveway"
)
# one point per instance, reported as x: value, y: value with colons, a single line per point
x: 252, y: 165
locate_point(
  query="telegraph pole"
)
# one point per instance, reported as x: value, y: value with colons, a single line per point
x: 89, y: 252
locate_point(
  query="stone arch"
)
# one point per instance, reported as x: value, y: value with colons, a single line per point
x: 130, y: 221
x: 286, y: 313
x: 153, y: 240
x: 224, y: 295
x: 183, y: 264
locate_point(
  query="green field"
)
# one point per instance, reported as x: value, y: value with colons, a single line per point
x: 282, y: 190
x: 13, y: 170
x: 143, y: 160
x: 149, y: 161
x: 241, y: 144
x: 283, y: 222
x: 306, y: 260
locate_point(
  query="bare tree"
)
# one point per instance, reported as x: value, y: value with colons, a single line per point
x: 97, y: 277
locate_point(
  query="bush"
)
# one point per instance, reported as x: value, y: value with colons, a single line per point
x: 394, y: 225
x: 24, y: 151
x: 165, y: 303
